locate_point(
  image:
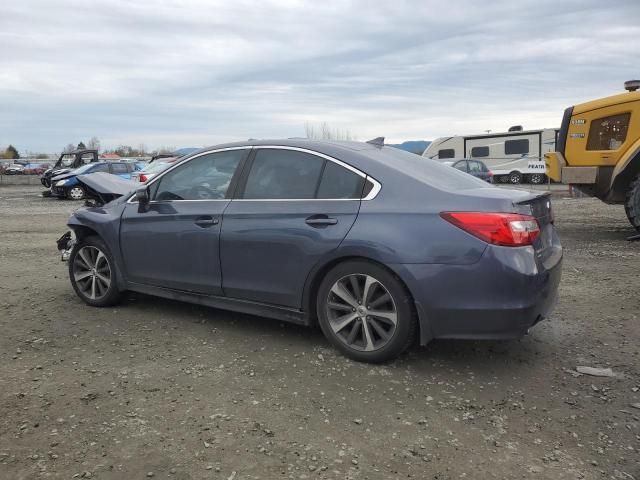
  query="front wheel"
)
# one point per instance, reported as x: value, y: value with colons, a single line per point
x: 92, y: 273
x: 366, y: 312
x: 632, y: 203
x: 76, y: 193
x: 515, y: 178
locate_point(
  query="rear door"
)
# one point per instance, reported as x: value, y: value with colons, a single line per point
x: 293, y: 207
x: 173, y: 242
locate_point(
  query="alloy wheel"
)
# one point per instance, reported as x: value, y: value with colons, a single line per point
x: 76, y: 193
x: 515, y: 178
x: 361, y: 312
x: 92, y: 272
x: 536, y: 178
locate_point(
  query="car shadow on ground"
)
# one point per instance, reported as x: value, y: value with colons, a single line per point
x: 456, y: 354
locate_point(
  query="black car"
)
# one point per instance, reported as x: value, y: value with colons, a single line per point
x: 474, y: 167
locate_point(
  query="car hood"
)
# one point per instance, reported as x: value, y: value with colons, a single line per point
x: 57, y: 176
x: 104, y: 187
x: 54, y: 172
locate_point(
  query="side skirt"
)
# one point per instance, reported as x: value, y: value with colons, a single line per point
x: 224, y: 303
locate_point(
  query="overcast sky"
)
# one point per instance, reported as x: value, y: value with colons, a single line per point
x: 194, y: 73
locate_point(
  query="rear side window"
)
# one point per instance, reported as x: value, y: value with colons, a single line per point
x: 480, y: 152
x: 101, y: 167
x: 446, y: 153
x: 119, y: 168
x: 283, y: 174
x: 608, y: 133
x: 338, y: 182
x: 475, y: 167
x: 516, y: 147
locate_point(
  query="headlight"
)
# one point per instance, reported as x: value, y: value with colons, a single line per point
x: 60, y: 183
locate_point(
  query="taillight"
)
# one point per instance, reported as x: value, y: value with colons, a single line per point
x: 142, y: 177
x: 506, y: 229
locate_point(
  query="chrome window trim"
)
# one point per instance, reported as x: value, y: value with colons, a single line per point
x: 158, y: 176
x: 370, y: 196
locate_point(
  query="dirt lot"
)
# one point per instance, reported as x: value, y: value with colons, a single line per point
x: 161, y: 389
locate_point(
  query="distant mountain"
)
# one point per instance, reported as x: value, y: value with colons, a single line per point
x: 413, y: 146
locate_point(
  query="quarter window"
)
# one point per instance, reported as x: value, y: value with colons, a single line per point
x: 608, y: 133
x: 204, y: 178
x: 338, y: 182
x: 283, y: 174
x: 446, y: 153
x: 516, y: 147
x: 480, y: 151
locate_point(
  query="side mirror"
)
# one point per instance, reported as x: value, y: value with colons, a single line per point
x: 142, y: 194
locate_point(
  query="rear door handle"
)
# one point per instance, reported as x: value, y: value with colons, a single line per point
x: 320, y: 221
x: 206, y: 221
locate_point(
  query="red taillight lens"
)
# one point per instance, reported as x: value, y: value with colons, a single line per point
x: 142, y: 177
x: 506, y: 229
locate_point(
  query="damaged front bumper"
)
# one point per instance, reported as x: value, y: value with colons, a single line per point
x: 65, y: 244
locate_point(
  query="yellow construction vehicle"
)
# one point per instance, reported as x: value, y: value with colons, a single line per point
x: 598, y: 150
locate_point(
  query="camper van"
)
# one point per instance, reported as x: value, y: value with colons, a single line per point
x: 515, y: 156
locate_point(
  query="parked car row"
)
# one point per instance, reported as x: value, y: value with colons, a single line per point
x: 24, y: 168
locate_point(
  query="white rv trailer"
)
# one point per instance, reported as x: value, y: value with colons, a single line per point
x: 515, y: 156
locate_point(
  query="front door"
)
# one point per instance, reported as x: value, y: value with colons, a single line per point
x: 173, y: 242
x: 292, y: 209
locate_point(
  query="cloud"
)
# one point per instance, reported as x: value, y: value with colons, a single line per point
x: 202, y: 72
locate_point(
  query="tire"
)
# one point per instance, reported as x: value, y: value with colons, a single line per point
x: 92, y: 272
x: 75, y: 193
x: 632, y: 203
x: 515, y: 178
x: 537, y: 178
x: 366, y: 333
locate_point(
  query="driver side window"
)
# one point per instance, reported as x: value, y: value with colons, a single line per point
x: 204, y: 178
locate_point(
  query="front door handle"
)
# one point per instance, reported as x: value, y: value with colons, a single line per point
x: 206, y: 221
x: 320, y: 221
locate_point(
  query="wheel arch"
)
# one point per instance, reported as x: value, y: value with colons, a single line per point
x: 623, y: 174
x: 315, y: 278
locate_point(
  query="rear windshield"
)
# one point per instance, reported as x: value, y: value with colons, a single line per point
x: 432, y: 172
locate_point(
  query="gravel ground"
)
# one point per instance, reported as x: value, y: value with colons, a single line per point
x: 159, y: 389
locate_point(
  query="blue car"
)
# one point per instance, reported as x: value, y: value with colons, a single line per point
x: 67, y: 185
x: 376, y: 245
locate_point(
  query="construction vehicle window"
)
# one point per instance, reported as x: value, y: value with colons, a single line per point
x: 446, y: 153
x: 608, y: 133
x: 480, y: 152
x: 516, y: 147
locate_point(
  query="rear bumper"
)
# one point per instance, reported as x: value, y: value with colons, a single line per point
x: 501, y: 296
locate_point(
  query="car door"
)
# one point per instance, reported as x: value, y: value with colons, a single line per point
x: 292, y: 208
x: 173, y: 241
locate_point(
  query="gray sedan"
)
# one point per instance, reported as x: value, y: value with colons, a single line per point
x: 378, y: 246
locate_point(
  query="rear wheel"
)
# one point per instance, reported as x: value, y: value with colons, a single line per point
x: 92, y: 273
x: 537, y: 178
x: 515, y: 178
x: 632, y: 203
x: 76, y: 193
x: 366, y: 312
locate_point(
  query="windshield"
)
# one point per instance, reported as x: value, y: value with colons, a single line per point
x: 156, y: 167
x: 67, y: 160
